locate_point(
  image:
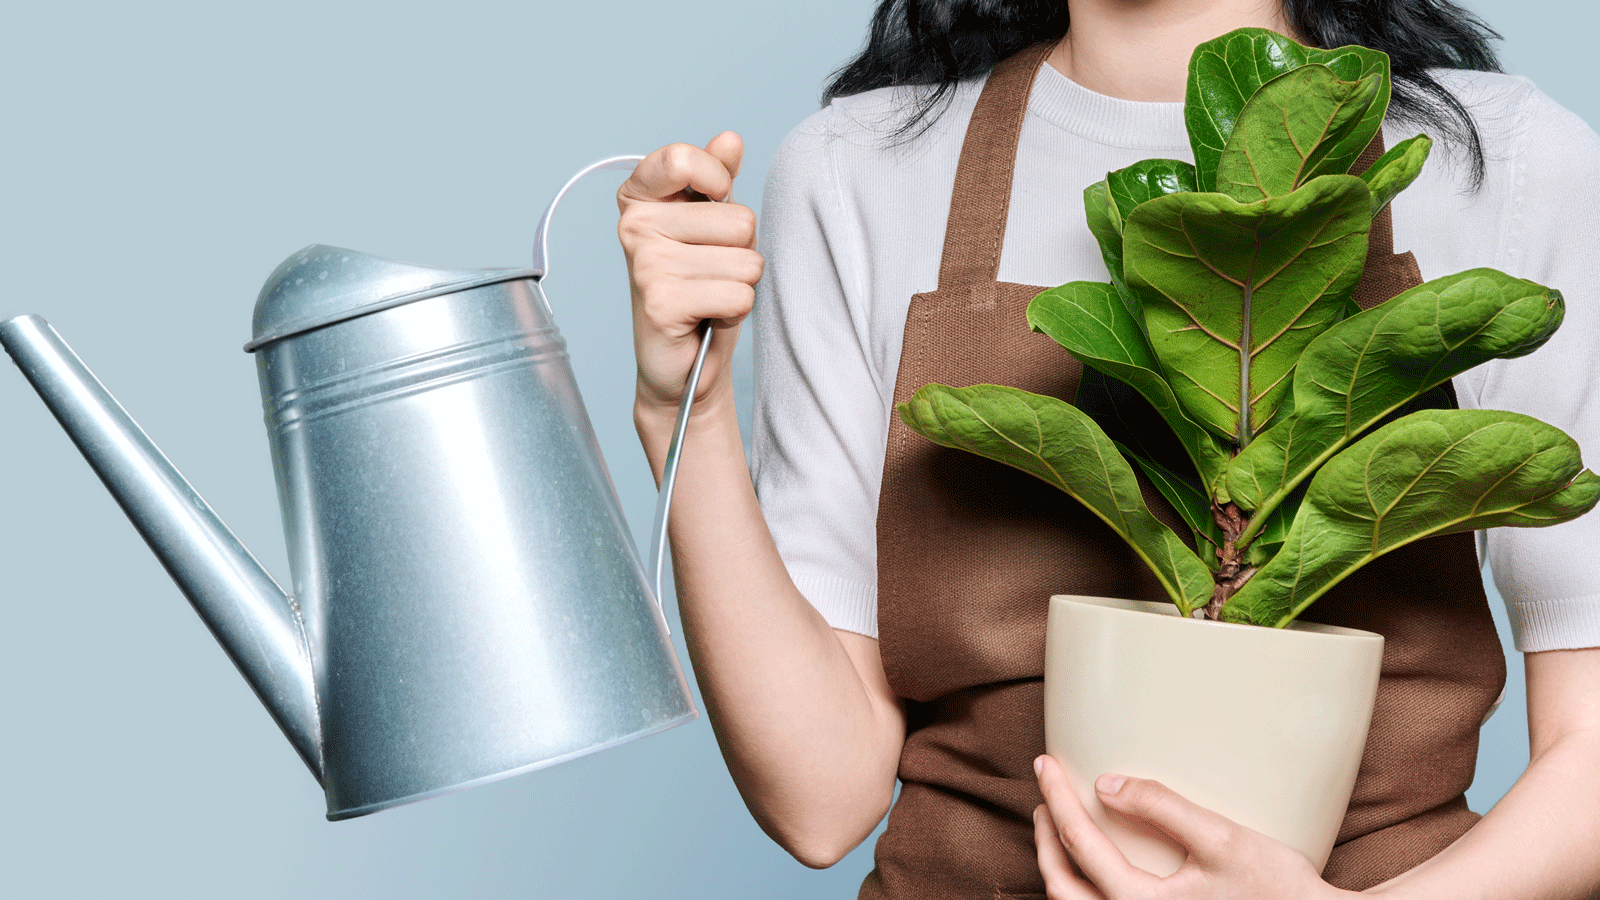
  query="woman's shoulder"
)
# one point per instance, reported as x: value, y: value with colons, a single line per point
x: 1521, y: 125
x: 1536, y: 154
x: 864, y: 138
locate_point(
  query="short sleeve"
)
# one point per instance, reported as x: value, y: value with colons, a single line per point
x: 819, y: 405
x: 1550, y: 577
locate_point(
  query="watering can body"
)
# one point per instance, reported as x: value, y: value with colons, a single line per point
x: 466, y: 600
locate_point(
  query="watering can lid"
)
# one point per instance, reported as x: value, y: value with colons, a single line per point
x: 321, y: 285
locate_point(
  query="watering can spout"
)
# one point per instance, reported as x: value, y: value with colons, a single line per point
x: 249, y: 614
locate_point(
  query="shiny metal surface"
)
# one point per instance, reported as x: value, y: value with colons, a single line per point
x: 321, y: 285
x: 669, y: 471
x: 240, y: 603
x: 469, y: 585
x: 541, y: 235
x: 466, y: 591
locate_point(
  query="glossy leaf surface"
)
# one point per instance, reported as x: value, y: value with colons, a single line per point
x: 1368, y: 366
x: 1224, y: 72
x: 1147, y: 180
x: 1048, y: 438
x: 1432, y: 472
x: 1292, y: 130
x: 1108, y: 203
x: 1192, y: 504
x: 1090, y: 320
x: 1232, y: 292
x: 1105, y: 223
x: 1396, y: 169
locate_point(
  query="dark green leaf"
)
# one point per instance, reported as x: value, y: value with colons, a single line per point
x: 1108, y: 203
x: 1048, y: 438
x: 1432, y: 472
x: 1224, y: 72
x: 1192, y: 503
x: 1292, y: 130
x: 1090, y: 320
x: 1370, y: 365
x: 1232, y: 292
x: 1396, y: 169
x: 1271, y: 536
x: 1105, y: 223
x: 1147, y: 180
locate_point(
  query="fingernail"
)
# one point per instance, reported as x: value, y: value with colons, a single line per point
x: 1038, y: 765
x: 1109, y: 784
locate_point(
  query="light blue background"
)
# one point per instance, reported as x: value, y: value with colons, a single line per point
x: 159, y: 159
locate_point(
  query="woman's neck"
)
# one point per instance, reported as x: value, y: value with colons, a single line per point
x: 1139, y: 49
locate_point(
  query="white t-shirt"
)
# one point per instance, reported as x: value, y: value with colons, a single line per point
x: 853, y: 225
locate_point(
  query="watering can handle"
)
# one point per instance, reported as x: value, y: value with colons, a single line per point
x: 541, y: 236
x: 669, y: 474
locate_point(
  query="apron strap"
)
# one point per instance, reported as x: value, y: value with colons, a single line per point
x: 977, y: 223
x: 1387, y: 273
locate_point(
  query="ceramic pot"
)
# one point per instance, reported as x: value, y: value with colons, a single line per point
x: 1263, y: 725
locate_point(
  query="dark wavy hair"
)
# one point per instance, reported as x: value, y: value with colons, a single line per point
x: 936, y: 43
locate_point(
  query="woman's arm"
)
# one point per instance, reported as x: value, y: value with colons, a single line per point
x: 1540, y: 842
x: 803, y: 714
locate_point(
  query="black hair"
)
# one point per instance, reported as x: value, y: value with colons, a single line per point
x: 936, y: 43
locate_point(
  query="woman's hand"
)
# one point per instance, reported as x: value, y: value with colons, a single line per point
x: 1226, y: 861
x: 687, y: 262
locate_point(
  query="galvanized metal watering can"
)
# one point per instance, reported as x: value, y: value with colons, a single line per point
x: 467, y: 602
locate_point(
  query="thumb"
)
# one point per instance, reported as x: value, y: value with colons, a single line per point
x: 729, y: 150
x: 1199, y: 829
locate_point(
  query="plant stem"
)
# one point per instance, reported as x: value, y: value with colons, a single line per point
x: 1232, y: 573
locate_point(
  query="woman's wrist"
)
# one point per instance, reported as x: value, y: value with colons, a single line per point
x: 713, y: 413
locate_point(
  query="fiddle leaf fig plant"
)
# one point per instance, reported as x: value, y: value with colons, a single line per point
x: 1309, y: 428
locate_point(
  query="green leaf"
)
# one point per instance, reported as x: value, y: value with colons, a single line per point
x: 1432, y: 472
x: 1224, y: 72
x: 1090, y: 320
x: 1048, y: 438
x: 1105, y: 223
x: 1371, y: 364
x: 1147, y: 180
x: 1108, y: 202
x: 1192, y: 503
x: 1396, y: 169
x: 1274, y: 532
x: 1232, y: 292
x: 1292, y: 130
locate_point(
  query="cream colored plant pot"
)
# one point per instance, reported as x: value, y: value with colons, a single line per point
x: 1263, y: 725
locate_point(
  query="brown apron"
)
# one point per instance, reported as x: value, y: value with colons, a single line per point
x: 969, y: 551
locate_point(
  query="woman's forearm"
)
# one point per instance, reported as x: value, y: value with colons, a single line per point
x: 810, y: 731
x: 805, y: 721
x: 1539, y: 842
x: 1542, y: 840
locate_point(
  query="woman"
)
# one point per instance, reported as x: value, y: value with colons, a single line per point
x: 816, y: 712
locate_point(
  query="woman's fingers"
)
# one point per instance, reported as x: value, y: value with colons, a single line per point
x: 675, y: 286
x: 668, y: 173
x: 1226, y: 861
x: 659, y: 260
x: 728, y: 148
x: 687, y: 262
x: 1098, y: 858
x: 674, y: 308
x: 1204, y: 833
x: 716, y: 225
x: 1061, y: 881
x: 722, y: 224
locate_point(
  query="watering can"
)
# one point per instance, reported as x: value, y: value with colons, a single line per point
x: 467, y: 601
